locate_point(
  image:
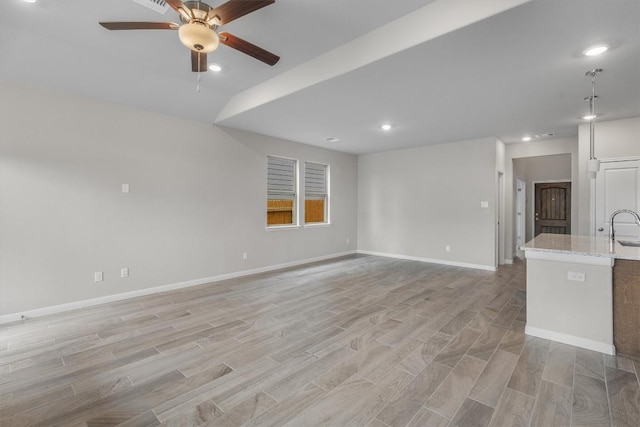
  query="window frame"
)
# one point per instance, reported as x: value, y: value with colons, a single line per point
x: 295, y: 215
x: 327, y: 196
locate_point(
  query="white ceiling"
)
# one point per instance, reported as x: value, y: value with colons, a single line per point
x: 347, y: 66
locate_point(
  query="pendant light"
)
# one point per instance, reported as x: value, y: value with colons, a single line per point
x: 593, y: 164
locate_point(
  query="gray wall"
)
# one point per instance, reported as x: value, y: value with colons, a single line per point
x: 415, y: 202
x: 196, y: 203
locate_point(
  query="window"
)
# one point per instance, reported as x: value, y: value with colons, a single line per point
x: 316, y: 200
x: 281, y: 191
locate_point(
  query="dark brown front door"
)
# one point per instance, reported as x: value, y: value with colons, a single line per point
x: 553, y: 208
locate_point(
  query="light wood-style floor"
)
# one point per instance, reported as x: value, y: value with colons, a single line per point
x: 360, y: 340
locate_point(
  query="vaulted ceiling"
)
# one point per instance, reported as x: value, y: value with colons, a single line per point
x: 436, y: 70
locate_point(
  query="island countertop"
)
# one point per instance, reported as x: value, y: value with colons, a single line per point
x: 597, y: 246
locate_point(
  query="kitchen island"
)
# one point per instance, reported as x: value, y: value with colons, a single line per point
x: 572, y: 297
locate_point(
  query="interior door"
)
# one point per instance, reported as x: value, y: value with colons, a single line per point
x: 553, y: 208
x: 617, y: 187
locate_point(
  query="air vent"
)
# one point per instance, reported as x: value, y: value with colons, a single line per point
x: 159, y: 6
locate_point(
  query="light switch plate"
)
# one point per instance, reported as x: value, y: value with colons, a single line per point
x: 575, y: 276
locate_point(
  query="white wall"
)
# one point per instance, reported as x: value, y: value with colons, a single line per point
x: 197, y: 200
x: 613, y: 139
x: 414, y: 202
x: 548, y: 147
x: 540, y: 169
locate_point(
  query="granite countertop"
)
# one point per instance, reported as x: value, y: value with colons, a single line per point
x: 581, y: 245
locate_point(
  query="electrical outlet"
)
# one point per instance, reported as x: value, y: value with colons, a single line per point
x: 348, y: 240
x: 576, y: 277
x: 245, y: 256
x: 447, y: 248
x: 125, y: 188
x: 98, y: 276
x: 124, y: 272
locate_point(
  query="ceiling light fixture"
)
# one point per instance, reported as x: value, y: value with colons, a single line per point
x: 526, y: 138
x: 386, y: 127
x: 589, y: 117
x: 331, y: 139
x: 593, y: 164
x: 596, y: 50
x: 29, y: 1
x: 215, y: 68
x: 198, y: 37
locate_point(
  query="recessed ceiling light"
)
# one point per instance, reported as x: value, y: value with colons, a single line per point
x: 596, y: 50
x: 215, y: 68
x: 386, y: 126
x: 29, y: 1
x: 331, y: 139
x: 526, y: 138
x: 589, y: 117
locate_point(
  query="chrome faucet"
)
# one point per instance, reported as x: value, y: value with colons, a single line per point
x: 612, y: 236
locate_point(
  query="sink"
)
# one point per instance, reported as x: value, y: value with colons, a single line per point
x: 633, y: 243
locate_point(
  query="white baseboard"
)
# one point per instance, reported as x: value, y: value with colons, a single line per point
x: 6, y: 318
x: 601, y: 347
x: 433, y: 261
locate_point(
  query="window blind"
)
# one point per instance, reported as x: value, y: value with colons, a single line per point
x: 281, y: 178
x: 315, y: 180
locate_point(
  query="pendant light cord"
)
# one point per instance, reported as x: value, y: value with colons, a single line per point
x: 592, y: 112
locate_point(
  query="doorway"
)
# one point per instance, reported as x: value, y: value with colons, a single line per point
x: 552, y: 208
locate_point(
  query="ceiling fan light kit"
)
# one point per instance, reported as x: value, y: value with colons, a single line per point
x: 198, y: 37
x: 198, y: 30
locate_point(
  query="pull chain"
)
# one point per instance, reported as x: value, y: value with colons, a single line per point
x: 198, y: 83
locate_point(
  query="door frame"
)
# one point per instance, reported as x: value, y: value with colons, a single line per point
x: 499, y: 244
x: 521, y: 224
x: 532, y: 220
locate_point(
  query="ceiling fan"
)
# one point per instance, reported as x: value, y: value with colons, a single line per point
x: 198, y: 29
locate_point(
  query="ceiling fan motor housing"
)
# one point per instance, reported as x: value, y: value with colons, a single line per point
x: 199, y: 11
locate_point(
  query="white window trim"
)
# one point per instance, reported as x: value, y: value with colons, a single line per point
x: 296, y: 197
x: 327, y: 222
x: 317, y: 225
x: 276, y: 227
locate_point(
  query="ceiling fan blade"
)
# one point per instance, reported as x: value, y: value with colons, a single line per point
x: 234, y: 9
x: 198, y: 61
x: 179, y: 7
x: 140, y: 25
x: 248, y: 48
